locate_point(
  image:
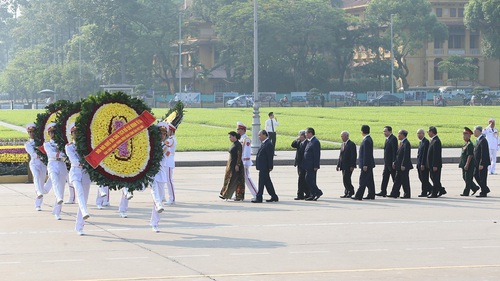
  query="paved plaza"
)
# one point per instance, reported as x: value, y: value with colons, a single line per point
x: 205, y: 238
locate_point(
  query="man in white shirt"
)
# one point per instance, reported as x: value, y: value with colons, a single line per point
x: 271, y: 125
x: 158, y: 185
x: 491, y: 134
x: 171, y: 144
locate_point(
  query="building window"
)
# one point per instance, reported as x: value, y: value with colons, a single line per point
x: 453, y: 12
x: 456, y: 39
x: 474, y: 41
x: 439, y: 12
x: 438, y: 44
x: 460, y: 12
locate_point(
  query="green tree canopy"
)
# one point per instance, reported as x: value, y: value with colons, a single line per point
x: 484, y: 15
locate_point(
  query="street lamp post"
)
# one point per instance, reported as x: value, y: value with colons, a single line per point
x: 392, y: 58
x: 256, y: 113
x: 180, y: 53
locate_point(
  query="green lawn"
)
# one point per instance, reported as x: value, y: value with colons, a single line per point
x: 206, y: 129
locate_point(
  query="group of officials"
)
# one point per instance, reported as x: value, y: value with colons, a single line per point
x: 476, y: 161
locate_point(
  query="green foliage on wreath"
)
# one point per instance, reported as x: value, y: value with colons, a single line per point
x: 83, y: 142
x: 41, y: 120
x: 62, y: 119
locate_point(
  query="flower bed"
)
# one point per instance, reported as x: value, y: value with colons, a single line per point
x: 13, y: 160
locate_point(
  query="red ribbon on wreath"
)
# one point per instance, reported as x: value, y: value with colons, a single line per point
x: 118, y: 137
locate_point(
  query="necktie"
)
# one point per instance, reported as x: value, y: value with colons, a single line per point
x: 272, y: 125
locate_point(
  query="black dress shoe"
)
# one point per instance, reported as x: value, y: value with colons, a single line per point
x: 432, y: 196
x: 256, y: 201
x: 272, y: 200
x: 481, y: 195
x: 356, y: 198
x: 441, y: 193
x: 405, y: 197
x: 345, y: 196
x: 474, y: 191
x: 310, y: 198
x: 298, y: 198
x: 392, y: 196
x: 318, y: 196
x: 383, y: 194
x: 369, y: 198
x: 222, y: 197
x: 422, y: 195
x: 461, y: 194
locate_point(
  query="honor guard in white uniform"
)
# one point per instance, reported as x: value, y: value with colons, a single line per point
x: 171, y: 144
x: 72, y: 194
x: 491, y: 134
x: 123, y: 207
x: 102, y: 198
x: 57, y: 169
x: 246, y: 144
x: 158, y: 186
x: 80, y: 180
x: 37, y: 167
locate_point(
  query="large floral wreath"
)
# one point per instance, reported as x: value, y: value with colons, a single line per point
x: 42, y: 120
x: 135, y: 162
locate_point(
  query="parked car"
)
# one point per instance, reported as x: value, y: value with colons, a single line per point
x: 385, y: 100
x: 299, y: 99
x: 240, y: 101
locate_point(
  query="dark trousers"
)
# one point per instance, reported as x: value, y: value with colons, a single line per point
x: 468, y: 177
x: 481, y: 177
x: 311, y: 183
x: 346, y: 178
x: 303, y: 189
x: 423, y: 176
x: 402, y: 179
x: 388, y: 172
x: 265, y: 181
x: 366, y: 181
x: 436, y: 181
x: 272, y: 137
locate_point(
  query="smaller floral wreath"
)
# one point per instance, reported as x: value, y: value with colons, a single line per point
x: 42, y: 120
x: 64, y: 118
x: 134, y: 163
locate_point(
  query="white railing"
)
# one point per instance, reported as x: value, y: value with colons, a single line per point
x: 456, y: 51
x: 438, y: 51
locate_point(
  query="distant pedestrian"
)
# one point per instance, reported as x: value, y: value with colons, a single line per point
x: 271, y: 125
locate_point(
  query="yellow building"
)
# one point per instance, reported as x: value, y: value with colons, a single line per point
x: 461, y: 41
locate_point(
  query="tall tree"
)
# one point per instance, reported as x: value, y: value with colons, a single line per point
x: 413, y: 24
x: 459, y: 68
x: 485, y: 16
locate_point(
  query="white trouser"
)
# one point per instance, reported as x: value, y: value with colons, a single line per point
x: 157, y: 192
x: 71, y: 188
x: 249, y: 182
x: 82, y: 189
x: 41, y: 187
x: 46, y: 188
x: 170, y: 185
x: 124, y: 201
x: 101, y: 200
x: 58, y: 175
x: 493, y: 159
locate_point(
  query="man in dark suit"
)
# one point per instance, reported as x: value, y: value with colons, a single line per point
x: 264, y: 164
x: 300, y: 145
x: 402, y: 165
x: 423, y: 171
x: 312, y: 155
x: 366, y: 164
x: 390, y: 149
x: 347, y: 163
x: 435, y: 163
x: 482, y: 161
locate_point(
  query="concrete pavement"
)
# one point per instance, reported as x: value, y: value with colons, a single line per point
x: 205, y: 238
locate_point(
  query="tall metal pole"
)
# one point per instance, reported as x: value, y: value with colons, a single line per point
x: 180, y: 53
x: 392, y: 59
x: 256, y: 113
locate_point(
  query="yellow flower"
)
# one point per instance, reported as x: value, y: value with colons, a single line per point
x: 130, y: 158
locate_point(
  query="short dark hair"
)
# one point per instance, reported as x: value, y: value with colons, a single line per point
x: 270, y: 113
x: 365, y: 129
x: 264, y: 132
x: 310, y: 130
x: 389, y: 128
x: 234, y: 134
x: 433, y: 130
x: 404, y: 132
